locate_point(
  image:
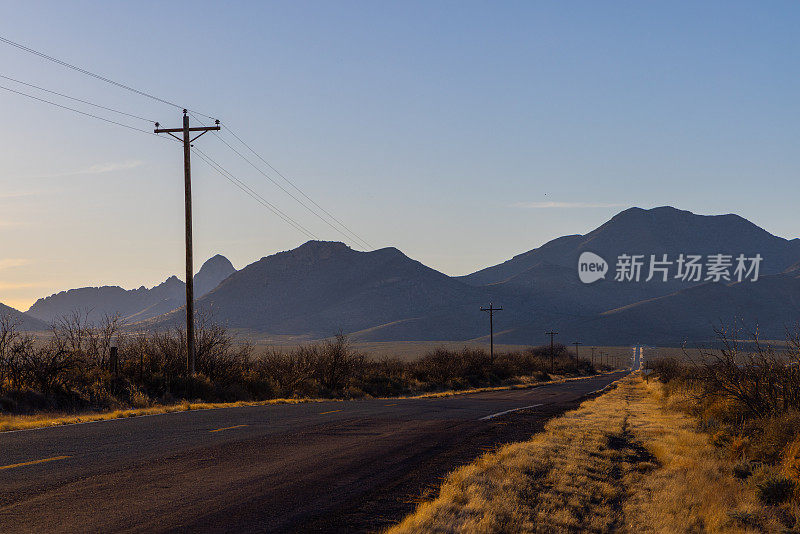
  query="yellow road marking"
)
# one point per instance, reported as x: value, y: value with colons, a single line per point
x: 34, y: 462
x: 395, y: 404
x: 227, y: 428
x: 332, y: 411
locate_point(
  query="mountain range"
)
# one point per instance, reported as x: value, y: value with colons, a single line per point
x: 135, y: 304
x: 321, y: 287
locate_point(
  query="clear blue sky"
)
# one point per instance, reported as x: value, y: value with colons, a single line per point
x: 441, y: 128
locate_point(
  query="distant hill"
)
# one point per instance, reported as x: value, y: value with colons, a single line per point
x: 770, y: 305
x: 211, y: 274
x: 654, y: 231
x: 135, y: 304
x: 548, y: 273
x: 25, y: 322
x: 322, y: 287
x: 383, y: 295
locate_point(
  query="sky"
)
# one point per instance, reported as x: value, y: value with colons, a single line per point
x: 462, y: 133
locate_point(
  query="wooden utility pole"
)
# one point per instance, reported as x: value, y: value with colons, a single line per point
x: 187, y: 182
x: 552, y: 351
x: 592, y: 357
x: 491, y: 309
x: 576, y: 343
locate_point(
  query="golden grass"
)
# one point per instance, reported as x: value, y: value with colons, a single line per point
x: 622, y: 462
x: 27, y: 422
x: 524, y: 383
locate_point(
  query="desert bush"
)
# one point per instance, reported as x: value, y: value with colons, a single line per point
x: 742, y: 470
x: 337, y: 363
x: 746, y: 395
x: 73, y: 369
x: 775, y: 490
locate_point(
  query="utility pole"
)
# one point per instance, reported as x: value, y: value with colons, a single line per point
x: 576, y: 343
x: 491, y: 309
x: 187, y: 181
x: 552, y: 351
x: 592, y: 357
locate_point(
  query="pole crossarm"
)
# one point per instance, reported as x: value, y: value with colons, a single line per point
x: 180, y: 130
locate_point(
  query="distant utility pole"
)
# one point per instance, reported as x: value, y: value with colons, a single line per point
x: 576, y: 343
x: 552, y: 351
x: 187, y: 181
x: 491, y: 309
x: 592, y: 357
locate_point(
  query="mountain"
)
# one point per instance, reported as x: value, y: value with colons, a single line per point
x: 211, y: 274
x: 135, y: 304
x: 663, y: 230
x: 322, y: 287
x: 25, y: 321
x: 548, y: 273
x: 769, y: 305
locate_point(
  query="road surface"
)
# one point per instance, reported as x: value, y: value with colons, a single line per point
x: 314, y: 467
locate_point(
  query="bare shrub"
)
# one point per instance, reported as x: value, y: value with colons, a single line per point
x: 290, y: 371
x: 72, y: 368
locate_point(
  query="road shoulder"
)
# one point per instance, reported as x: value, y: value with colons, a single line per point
x: 620, y: 462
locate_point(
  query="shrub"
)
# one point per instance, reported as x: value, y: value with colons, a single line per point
x: 742, y: 470
x: 74, y: 368
x: 775, y: 490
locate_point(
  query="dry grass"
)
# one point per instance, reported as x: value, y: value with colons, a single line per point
x: 524, y: 383
x: 27, y: 422
x: 621, y: 462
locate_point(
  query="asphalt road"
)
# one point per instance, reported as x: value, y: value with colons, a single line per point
x: 314, y: 467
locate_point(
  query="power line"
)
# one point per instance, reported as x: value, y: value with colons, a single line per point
x: 352, y: 235
x: 552, y: 351
x: 253, y: 194
x: 276, y: 171
x: 78, y: 111
x: 164, y: 101
x: 207, y: 159
x: 93, y: 75
x: 491, y: 309
x: 187, y: 132
x: 76, y: 99
x: 344, y: 229
x: 295, y: 198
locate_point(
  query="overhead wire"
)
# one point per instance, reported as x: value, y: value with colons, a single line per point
x: 207, y: 159
x: 94, y: 75
x: 295, y: 198
x: 296, y: 188
x: 347, y: 233
x: 76, y: 99
x: 252, y: 193
x: 343, y: 229
x: 98, y: 117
